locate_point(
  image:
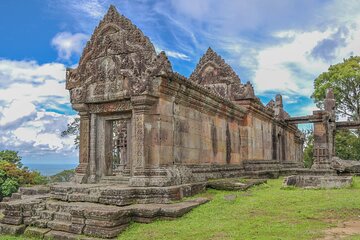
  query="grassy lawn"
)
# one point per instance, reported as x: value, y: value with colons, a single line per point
x: 263, y: 212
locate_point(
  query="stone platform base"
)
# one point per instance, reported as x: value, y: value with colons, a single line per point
x: 318, y: 182
x: 122, y: 195
x: 69, y: 210
x: 55, y: 219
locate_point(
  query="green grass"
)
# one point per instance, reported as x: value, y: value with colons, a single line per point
x: 263, y: 212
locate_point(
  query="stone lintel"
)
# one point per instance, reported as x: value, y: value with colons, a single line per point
x: 348, y: 125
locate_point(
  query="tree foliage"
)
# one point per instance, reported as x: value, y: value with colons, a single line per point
x: 12, y: 176
x: 73, y: 129
x: 344, y: 78
x: 11, y: 156
x: 308, y: 148
x: 347, y: 145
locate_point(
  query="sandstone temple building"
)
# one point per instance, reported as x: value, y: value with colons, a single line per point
x: 144, y: 124
x: 150, y: 137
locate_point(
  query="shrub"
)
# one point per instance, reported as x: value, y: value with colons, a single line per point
x: 12, y: 176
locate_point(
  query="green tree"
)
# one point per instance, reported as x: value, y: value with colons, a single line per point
x: 13, y: 174
x: 73, y: 129
x: 308, y: 148
x: 11, y: 156
x: 347, y: 145
x: 344, y: 78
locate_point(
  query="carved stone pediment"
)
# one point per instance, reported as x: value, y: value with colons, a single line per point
x: 212, y: 69
x: 118, y: 61
x: 216, y: 75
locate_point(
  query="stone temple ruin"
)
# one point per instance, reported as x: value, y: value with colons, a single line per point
x: 149, y: 136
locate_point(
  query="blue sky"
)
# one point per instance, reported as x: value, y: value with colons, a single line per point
x: 278, y: 45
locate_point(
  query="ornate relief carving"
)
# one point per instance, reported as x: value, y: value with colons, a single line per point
x: 240, y: 91
x: 117, y: 61
x: 110, y: 107
x: 216, y: 75
x: 212, y: 69
x: 139, y: 139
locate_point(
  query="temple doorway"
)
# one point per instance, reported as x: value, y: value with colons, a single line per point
x: 118, y: 147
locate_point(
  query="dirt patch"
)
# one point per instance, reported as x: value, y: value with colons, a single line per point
x: 343, y: 230
x: 219, y: 236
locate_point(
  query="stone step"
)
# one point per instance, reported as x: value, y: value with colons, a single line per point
x: 90, y: 219
x: 62, y: 216
x: 272, y: 174
x: 307, y: 171
x: 16, y: 196
x: 12, y: 229
x: 115, y: 179
x: 83, y: 197
x: 121, y: 195
x: 54, y: 235
x: 286, y: 165
x: 34, y: 190
x: 65, y: 226
x: 46, y: 215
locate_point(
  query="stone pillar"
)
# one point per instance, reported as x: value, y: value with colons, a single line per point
x: 324, y: 133
x: 141, y: 106
x: 93, y: 146
x: 323, y: 141
x: 82, y: 170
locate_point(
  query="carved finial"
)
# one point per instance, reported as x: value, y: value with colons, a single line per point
x: 209, y: 51
x: 271, y: 104
x: 161, y: 65
x: 111, y: 14
x: 329, y: 102
x: 278, y: 100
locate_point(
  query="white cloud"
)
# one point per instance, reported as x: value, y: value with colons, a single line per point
x: 307, y: 109
x: 29, y: 72
x: 92, y: 8
x: 177, y: 55
x: 68, y: 44
x: 29, y: 94
x: 291, y: 67
x: 173, y: 54
x: 15, y: 111
x: 283, y: 67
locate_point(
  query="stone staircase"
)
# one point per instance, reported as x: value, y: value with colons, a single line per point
x: 307, y: 171
x: 262, y: 168
x: 84, y: 211
x: 123, y: 180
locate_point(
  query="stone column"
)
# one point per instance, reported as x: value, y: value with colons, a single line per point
x: 323, y: 142
x: 324, y: 133
x: 93, y: 147
x: 82, y: 169
x: 141, y: 106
